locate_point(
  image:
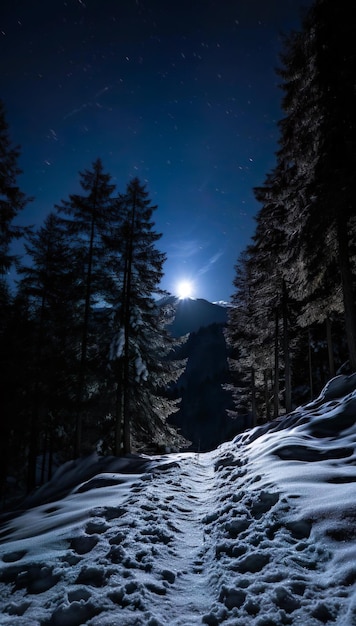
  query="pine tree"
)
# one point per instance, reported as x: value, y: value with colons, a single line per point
x: 304, y: 246
x: 12, y: 202
x: 89, y: 217
x: 309, y: 267
x: 334, y: 176
x: 16, y: 393
x: 50, y: 285
x: 141, y: 345
x: 318, y: 149
x: 242, y: 338
x: 12, y: 199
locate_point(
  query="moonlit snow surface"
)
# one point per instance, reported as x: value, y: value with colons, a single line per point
x: 259, y: 532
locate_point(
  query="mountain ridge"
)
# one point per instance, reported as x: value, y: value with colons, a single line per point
x: 188, y: 315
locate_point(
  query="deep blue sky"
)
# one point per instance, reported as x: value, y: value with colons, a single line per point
x: 182, y: 94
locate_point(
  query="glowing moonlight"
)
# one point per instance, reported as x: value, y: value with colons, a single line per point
x: 184, y: 289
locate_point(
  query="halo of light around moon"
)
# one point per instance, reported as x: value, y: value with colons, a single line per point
x: 185, y: 289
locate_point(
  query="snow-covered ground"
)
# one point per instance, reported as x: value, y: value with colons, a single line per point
x: 259, y: 532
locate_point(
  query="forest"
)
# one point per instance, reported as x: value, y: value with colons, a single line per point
x: 86, y: 356
x: 292, y: 323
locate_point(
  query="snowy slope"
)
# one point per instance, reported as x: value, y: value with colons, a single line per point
x: 259, y: 532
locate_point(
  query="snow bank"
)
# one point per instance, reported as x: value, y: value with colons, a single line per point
x: 260, y: 532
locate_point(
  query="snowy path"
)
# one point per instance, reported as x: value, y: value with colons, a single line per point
x: 126, y: 550
x: 195, y: 540
x: 189, y: 495
x: 260, y: 532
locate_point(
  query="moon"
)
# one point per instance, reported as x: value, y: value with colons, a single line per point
x: 184, y: 289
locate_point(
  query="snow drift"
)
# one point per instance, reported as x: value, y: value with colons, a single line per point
x: 259, y: 532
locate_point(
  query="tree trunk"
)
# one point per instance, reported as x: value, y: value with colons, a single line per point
x: 310, y: 365
x: 33, y: 444
x: 347, y: 291
x: 120, y: 382
x: 286, y: 349
x: 50, y: 451
x: 44, y: 456
x: 84, y: 346
x: 34, y: 421
x: 118, y: 411
x: 330, y: 348
x: 276, y: 366
x: 268, y: 410
x: 253, y: 398
x: 127, y: 314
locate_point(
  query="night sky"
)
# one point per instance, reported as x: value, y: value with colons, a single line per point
x: 182, y: 94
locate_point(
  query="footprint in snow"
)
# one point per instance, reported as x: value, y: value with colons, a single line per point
x: 96, y: 527
x: 17, y: 609
x: 79, y: 594
x: 113, y: 513
x: 83, y: 544
x: 36, y: 578
x: 91, y: 575
x: 12, y: 557
x: 75, y: 614
x: 264, y: 503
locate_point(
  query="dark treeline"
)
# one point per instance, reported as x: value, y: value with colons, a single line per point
x: 84, y: 350
x: 293, y: 323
